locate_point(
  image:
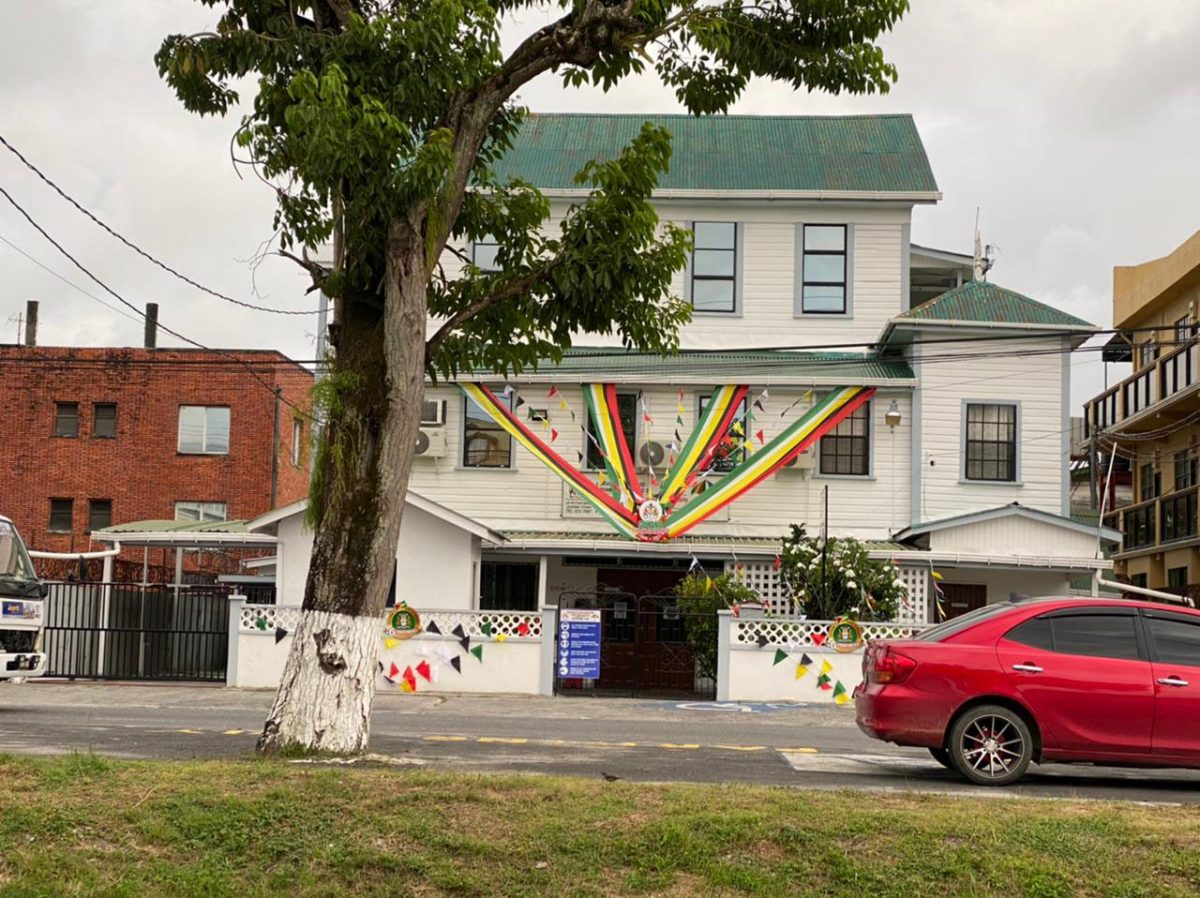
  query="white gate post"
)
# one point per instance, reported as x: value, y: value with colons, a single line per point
x: 547, y: 660
x: 724, y: 634
x: 236, y: 604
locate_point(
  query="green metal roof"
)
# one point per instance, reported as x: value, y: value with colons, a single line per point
x: 986, y: 303
x: 760, y: 543
x: 860, y: 153
x: 718, y: 365
x: 177, y: 527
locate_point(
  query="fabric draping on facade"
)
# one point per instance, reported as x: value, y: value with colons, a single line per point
x: 816, y: 422
x: 621, y: 517
x: 697, y: 452
x: 610, y: 440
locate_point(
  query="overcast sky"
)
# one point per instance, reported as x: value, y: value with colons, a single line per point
x: 1073, y: 125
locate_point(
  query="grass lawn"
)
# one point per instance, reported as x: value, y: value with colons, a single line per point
x: 82, y: 825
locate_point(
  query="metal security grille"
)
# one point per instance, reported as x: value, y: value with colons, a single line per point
x: 127, y: 631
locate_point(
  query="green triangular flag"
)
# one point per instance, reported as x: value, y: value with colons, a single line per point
x: 823, y: 679
x: 780, y: 655
x: 485, y: 628
x: 478, y: 652
x: 839, y: 689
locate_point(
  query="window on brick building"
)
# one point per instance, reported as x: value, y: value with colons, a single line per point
x: 66, y: 419
x: 61, y: 512
x: 104, y: 419
x: 297, y: 441
x: 200, y: 511
x: 204, y: 429
x: 99, y: 514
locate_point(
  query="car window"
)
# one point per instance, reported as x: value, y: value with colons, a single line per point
x: 1037, y: 633
x: 1176, y: 641
x: 1096, y: 635
x: 960, y: 623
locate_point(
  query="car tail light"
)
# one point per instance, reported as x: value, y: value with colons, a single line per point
x: 889, y: 666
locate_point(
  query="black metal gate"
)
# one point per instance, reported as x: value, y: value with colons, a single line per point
x: 127, y: 631
x: 645, y: 648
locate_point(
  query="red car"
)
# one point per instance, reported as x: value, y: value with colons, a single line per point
x: 1110, y: 682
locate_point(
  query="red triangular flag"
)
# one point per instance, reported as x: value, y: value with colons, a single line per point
x: 777, y: 564
x: 410, y: 678
x: 553, y: 391
x: 423, y: 670
x: 523, y: 629
x: 818, y: 638
x: 553, y: 434
x: 394, y: 672
x: 759, y: 435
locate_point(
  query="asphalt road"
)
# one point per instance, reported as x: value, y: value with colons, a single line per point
x: 806, y: 746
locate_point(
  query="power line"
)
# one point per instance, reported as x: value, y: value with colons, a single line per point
x: 141, y: 252
x: 113, y: 293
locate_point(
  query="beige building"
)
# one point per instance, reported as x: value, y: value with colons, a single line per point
x: 1152, y: 418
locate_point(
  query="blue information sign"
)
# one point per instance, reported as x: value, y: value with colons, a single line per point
x: 579, y: 643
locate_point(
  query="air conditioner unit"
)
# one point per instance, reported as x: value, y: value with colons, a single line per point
x: 433, y: 411
x: 801, y: 462
x: 651, y: 455
x: 431, y: 442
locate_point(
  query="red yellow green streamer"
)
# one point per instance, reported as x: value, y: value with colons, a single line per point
x: 697, y: 452
x: 621, y: 517
x: 610, y: 437
x: 819, y: 420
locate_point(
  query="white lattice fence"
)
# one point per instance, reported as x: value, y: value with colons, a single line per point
x: 762, y: 577
x: 796, y: 633
x: 510, y: 624
x: 265, y: 618
x: 914, y: 606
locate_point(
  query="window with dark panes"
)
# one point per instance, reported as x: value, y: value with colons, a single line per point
x: 485, y: 443
x: 1096, y: 635
x: 732, y: 451
x: 1037, y: 633
x: 66, y: 419
x: 1184, y: 330
x: 1178, y: 516
x: 1176, y: 641
x: 823, y: 288
x: 1150, y: 481
x: 104, y: 419
x: 484, y: 252
x: 99, y: 514
x: 1138, y: 580
x: 1177, y: 577
x: 991, y: 442
x: 505, y: 586
x: 714, y: 266
x: 62, y: 515
x: 1187, y: 465
x: 847, y: 448
x: 627, y: 412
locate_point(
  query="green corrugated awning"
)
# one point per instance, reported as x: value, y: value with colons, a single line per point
x: 155, y: 526
x: 734, y: 153
x: 982, y: 302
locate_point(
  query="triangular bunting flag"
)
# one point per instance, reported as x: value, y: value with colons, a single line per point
x: 459, y: 631
x: 423, y: 670
x: 840, y: 695
x: 523, y: 628
x: 465, y: 642
x: 775, y: 565
x: 818, y: 638
x: 433, y: 628
x: 826, y: 667
x: 823, y: 680
x: 679, y: 420
x: 405, y: 686
x: 486, y: 628
x: 780, y: 657
x: 827, y: 685
x: 553, y: 434
x: 390, y: 642
x: 762, y: 640
x: 553, y: 392
x: 410, y: 679
x: 759, y: 436
x: 520, y: 401
x: 393, y: 671
x: 456, y: 663
x: 801, y: 670
x: 758, y: 404
x: 563, y: 404
x: 500, y: 637
x: 279, y: 634
x: 380, y: 663
x: 580, y: 454
x: 805, y: 660
x: 478, y: 652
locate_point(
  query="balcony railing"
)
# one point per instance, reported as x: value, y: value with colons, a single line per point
x: 1171, y: 374
x: 1159, y: 521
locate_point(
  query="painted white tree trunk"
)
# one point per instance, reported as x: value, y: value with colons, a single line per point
x: 324, y: 698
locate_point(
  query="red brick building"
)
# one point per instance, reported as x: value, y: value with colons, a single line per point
x: 93, y: 437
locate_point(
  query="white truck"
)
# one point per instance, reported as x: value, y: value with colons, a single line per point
x: 22, y: 609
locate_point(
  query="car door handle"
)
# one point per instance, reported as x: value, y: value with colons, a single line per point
x: 1027, y: 668
x: 1171, y: 681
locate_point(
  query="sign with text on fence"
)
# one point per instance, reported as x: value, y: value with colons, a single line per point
x: 579, y: 643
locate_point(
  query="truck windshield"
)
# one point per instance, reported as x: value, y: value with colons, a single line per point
x: 14, y: 563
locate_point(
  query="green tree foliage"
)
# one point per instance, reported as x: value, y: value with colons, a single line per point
x: 838, y: 580
x: 378, y: 124
x: 700, y: 597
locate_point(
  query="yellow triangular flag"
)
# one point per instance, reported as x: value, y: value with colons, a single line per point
x: 562, y: 403
x: 843, y: 698
x: 807, y: 394
x: 390, y: 643
x: 500, y: 637
x: 826, y: 667
x: 405, y: 686
x: 937, y: 576
x: 801, y: 670
x: 603, y: 478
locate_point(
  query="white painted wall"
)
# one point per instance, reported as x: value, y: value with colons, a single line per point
x: 1034, y: 382
x: 1016, y: 536
x: 755, y: 677
x: 436, y: 561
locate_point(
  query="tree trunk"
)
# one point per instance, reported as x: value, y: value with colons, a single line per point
x: 324, y: 699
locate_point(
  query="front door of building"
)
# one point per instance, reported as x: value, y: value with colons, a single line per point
x: 959, y: 598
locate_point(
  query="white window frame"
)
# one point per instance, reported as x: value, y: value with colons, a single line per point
x: 297, y: 437
x: 205, y: 511
x: 487, y: 240
x: 462, y: 465
x: 204, y: 444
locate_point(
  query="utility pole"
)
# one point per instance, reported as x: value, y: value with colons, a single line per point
x: 824, y: 544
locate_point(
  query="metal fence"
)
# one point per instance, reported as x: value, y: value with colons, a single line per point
x: 127, y: 631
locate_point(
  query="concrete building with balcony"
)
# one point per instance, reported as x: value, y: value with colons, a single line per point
x: 1152, y: 418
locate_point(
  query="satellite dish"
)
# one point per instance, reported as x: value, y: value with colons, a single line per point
x: 652, y: 454
x: 422, y: 442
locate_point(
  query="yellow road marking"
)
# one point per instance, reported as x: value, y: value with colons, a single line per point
x: 799, y: 751
x: 191, y: 732
x: 688, y: 745
x: 741, y: 747
x: 444, y: 738
x: 608, y: 744
x: 233, y: 732
x: 502, y: 740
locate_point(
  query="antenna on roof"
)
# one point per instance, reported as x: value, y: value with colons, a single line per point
x: 985, y: 256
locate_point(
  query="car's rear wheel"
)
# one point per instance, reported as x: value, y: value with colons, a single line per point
x: 942, y: 757
x: 991, y: 745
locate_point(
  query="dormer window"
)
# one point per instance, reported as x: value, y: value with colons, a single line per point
x: 713, y: 274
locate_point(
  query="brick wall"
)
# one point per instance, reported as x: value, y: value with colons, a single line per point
x: 141, y: 469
